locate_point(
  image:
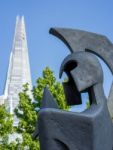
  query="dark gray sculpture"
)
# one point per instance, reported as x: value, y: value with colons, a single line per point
x: 78, y: 40
x: 91, y: 129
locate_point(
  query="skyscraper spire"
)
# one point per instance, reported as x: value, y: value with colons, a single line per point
x: 19, y: 68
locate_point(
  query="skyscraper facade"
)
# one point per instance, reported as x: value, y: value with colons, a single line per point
x: 18, y: 70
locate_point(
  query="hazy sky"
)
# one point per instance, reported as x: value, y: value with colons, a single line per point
x: 45, y: 49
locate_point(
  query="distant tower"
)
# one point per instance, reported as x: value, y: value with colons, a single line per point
x: 19, y: 68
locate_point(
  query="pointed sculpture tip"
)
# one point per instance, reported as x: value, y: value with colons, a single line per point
x: 46, y: 88
x: 48, y: 100
x: 46, y: 92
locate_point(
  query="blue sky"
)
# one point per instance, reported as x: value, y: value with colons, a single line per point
x: 45, y: 49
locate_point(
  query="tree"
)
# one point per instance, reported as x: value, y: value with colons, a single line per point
x: 6, y: 127
x: 26, y: 110
x: 48, y: 79
x: 27, y: 120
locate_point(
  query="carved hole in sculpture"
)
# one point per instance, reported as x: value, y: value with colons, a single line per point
x: 106, y: 72
x: 91, y: 96
x: 70, y: 66
x: 72, y: 94
x: 78, y: 101
x: 61, y: 145
x: 85, y: 103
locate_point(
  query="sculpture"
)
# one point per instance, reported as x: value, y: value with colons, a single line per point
x: 78, y: 40
x: 91, y: 129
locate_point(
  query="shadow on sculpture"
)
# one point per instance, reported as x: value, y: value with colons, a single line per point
x: 88, y: 130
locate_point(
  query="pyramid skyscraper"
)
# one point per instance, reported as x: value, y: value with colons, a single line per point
x: 19, y: 69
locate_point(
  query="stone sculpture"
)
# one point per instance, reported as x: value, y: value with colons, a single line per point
x: 88, y: 130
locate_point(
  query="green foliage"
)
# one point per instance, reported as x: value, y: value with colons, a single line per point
x: 5, y: 122
x: 27, y: 120
x: 6, y: 127
x: 55, y: 87
x: 29, y: 142
x: 26, y: 113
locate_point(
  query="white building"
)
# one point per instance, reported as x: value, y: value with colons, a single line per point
x: 19, y: 69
